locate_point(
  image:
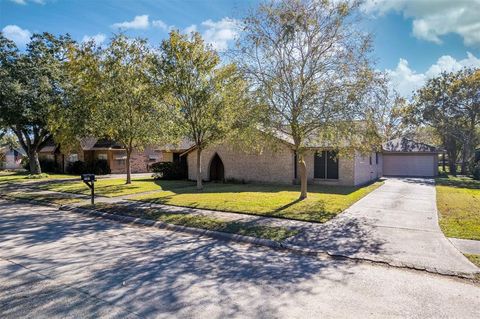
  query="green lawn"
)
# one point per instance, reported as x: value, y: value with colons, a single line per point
x: 112, y: 187
x: 322, y: 204
x: 475, y: 259
x: 458, y: 202
x: 203, y: 222
x: 14, y: 177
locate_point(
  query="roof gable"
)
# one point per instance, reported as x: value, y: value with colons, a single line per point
x: 405, y: 145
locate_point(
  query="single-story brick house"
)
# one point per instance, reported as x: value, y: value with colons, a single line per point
x: 401, y: 157
x: 103, y: 149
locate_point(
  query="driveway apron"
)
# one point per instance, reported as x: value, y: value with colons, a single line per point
x: 397, y: 223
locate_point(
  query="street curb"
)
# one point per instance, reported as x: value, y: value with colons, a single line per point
x: 172, y: 227
x: 245, y: 239
x: 258, y: 241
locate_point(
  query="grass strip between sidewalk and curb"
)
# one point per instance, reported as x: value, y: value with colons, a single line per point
x: 196, y: 221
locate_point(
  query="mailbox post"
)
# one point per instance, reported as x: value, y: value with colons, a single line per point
x: 89, y: 180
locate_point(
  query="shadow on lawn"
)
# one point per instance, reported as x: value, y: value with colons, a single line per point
x: 157, y: 273
x: 464, y: 182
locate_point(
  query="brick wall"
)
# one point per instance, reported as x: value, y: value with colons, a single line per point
x: 366, y: 172
x: 267, y: 166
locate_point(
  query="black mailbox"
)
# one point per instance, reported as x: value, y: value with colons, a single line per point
x: 89, y: 180
x: 88, y: 177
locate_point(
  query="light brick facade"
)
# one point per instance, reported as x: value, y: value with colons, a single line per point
x: 278, y: 166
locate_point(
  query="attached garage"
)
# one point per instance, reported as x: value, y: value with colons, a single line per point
x: 404, y: 157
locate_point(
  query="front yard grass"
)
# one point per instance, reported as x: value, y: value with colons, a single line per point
x: 458, y: 202
x: 195, y: 221
x: 322, y: 204
x: 21, y: 177
x: 111, y: 187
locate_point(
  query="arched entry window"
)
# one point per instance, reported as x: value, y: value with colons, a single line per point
x: 216, y: 169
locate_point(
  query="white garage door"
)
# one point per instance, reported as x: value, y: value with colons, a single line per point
x: 409, y: 165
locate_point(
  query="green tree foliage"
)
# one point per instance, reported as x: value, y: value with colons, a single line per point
x: 208, y: 100
x: 308, y: 62
x: 32, y: 85
x: 450, y: 105
x: 112, y: 96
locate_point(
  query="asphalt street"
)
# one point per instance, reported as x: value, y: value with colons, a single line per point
x: 56, y: 264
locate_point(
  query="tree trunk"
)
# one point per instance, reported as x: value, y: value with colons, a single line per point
x: 452, y: 163
x: 463, y: 170
x: 199, y: 168
x: 303, y: 177
x: 129, y: 169
x: 34, y: 162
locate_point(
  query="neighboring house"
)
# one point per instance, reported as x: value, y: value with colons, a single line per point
x: 11, y: 158
x: 401, y: 157
x: 94, y: 149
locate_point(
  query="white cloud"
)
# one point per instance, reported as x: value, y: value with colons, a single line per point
x: 434, y: 19
x: 190, y: 29
x: 220, y: 33
x: 24, y: 2
x: 405, y: 80
x: 18, y: 35
x: 161, y: 25
x: 139, y: 22
x: 97, y: 38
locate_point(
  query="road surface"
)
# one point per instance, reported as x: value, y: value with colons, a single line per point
x: 56, y: 264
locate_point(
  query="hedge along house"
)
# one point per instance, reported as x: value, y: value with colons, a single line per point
x: 225, y: 162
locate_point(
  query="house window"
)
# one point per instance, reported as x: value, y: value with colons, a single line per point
x: 370, y: 160
x: 102, y: 156
x: 376, y: 158
x: 326, y: 165
x: 73, y: 158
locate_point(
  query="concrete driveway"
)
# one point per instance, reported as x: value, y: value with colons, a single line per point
x: 397, y: 223
x: 56, y: 264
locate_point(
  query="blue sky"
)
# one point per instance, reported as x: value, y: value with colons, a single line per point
x: 414, y: 39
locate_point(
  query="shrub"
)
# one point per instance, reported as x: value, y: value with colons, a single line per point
x: 77, y: 168
x: 475, y: 170
x: 100, y: 167
x: 49, y: 166
x: 167, y: 170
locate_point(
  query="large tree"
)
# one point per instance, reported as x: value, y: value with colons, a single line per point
x: 208, y: 100
x: 309, y: 62
x: 31, y: 86
x: 449, y: 104
x: 112, y: 96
